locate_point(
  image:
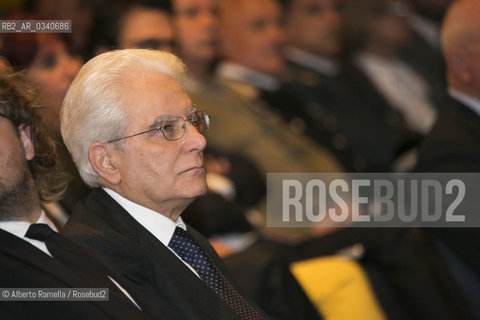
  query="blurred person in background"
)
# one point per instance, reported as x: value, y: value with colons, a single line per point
x: 49, y: 67
x: 145, y: 25
x: 120, y: 24
x: 196, y: 25
x: 339, y: 110
x: 376, y: 31
x: 80, y: 12
x: 251, y: 40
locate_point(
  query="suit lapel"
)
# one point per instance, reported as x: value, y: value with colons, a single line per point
x: 166, y: 265
x: 23, y: 251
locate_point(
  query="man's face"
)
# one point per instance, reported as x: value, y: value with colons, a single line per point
x: 15, y: 178
x: 154, y: 172
x: 196, y: 23
x: 251, y: 34
x: 472, y: 65
x: 390, y: 26
x: 51, y: 72
x: 146, y: 29
x: 314, y: 26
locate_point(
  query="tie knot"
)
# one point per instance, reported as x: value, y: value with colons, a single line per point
x: 39, y: 231
x: 182, y: 239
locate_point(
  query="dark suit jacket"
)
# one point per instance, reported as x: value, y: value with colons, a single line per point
x: 101, y: 223
x: 453, y: 146
x: 429, y: 63
x: 24, y: 266
x: 348, y: 116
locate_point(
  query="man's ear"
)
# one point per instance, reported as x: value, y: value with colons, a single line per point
x: 100, y: 159
x: 26, y: 138
x: 457, y: 65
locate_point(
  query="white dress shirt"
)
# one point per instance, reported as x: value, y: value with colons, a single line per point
x: 402, y: 87
x: 312, y: 61
x: 233, y: 71
x: 156, y: 223
x: 20, y: 228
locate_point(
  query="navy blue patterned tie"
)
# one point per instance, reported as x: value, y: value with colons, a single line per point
x: 192, y: 253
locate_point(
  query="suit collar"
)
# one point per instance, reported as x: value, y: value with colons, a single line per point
x: 156, y: 223
x: 468, y: 101
x: 312, y: 62
x: 260, y: 80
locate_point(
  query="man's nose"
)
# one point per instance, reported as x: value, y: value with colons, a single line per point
x: 194, y: 140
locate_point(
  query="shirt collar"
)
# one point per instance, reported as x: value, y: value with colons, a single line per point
x: 156, y: 223
x: 468, y: 100
x: 20, y: 228
x: 312, y: 61
x: 229, y: 70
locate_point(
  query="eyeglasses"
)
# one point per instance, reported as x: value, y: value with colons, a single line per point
x: 174, y: 127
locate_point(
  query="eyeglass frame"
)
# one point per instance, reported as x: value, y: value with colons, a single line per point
x: 159, y: 128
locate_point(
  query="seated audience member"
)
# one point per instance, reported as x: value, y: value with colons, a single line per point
x: 376, y: 31
x: 145, y: 25
x: 123, y: 24
x: 80, y: 13
x: 245, y: 123
x: 348, y: 117
x: 49, y: 68
x: 32, y: 254
x: 137, y: 140
x: 196, y: 25
x: 451, y: 146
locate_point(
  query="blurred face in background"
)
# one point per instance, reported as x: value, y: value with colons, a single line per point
x: 314, y: 26
x: 196, y: 26
x: 251, y: 34
x: 52, y: 71
x: 146, y: 28
x: 389, y: 24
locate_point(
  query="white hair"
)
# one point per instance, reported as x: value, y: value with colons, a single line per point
x: 93, y: 110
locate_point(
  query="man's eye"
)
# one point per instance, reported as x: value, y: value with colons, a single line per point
x: 168, y: 127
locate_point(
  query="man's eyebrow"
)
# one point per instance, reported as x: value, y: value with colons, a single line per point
x: 159, y: 119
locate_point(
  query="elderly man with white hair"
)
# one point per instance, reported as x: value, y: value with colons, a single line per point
x: 137, y: 139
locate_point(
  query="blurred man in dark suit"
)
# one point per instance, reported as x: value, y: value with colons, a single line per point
x: 340, y: 109
x: 452, y: 145
x: 32, y: 254
x: 137, y: 139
